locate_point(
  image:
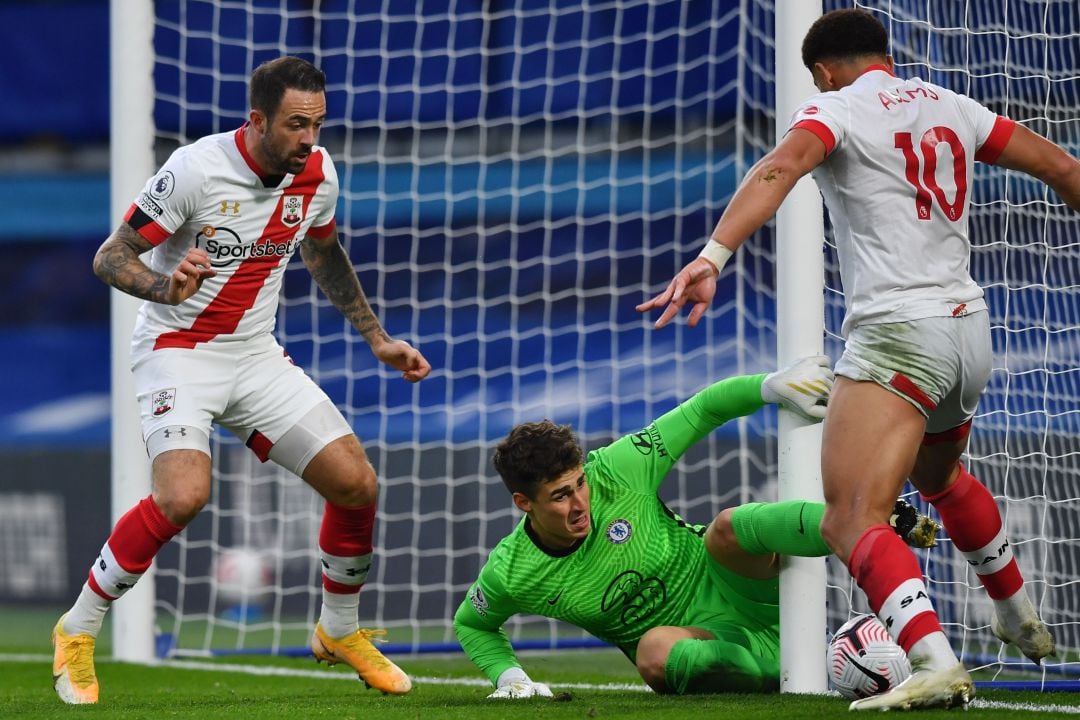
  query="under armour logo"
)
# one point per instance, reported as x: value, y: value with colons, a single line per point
x: 168, y: 432
x: 229, y: 208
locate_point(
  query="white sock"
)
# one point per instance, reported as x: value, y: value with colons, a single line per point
x: 1015, y: 610
x: 340, y: 613
x: 87, y: 614
x: 932, y: 652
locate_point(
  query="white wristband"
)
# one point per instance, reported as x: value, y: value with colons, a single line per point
x: 716, y: 253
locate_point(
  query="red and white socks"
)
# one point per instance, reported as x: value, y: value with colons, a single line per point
x: 889, y: 574
x: 345, y: 542
x: 126, y: 555
x: 972, y: 519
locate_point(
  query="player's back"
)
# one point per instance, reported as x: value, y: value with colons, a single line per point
x: 897, y: 181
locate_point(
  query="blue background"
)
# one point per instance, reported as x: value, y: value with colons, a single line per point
x: 54, y: 326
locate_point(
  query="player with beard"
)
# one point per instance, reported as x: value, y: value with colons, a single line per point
x: 221, y: 219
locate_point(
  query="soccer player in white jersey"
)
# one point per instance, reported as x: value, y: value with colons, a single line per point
x: 893, y: 159
x: 221, y: 220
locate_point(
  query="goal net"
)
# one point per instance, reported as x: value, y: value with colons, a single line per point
x: 1019, y: 59
x: 515, y: 179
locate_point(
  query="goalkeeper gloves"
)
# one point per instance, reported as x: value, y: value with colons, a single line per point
x: 802, y: 387
x: 515, y: 684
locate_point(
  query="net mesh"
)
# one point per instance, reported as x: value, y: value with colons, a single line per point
x: 513, y: 182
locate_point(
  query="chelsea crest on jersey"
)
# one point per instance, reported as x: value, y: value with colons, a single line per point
x: 213, y: 196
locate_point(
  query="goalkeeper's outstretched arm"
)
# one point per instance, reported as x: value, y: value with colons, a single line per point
x: 490, y: 650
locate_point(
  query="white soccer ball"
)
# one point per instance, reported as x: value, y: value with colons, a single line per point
x: 863, y: 660
x: 241, y: 574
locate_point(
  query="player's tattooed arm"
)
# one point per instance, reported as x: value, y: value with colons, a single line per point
x: 330, y: 267
x: 117, y: 262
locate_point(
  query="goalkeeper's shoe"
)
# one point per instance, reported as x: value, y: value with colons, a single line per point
x: 73, y: 666
x: 357, y: 651
x: 1029, y: 635
x: 918, y: 531
x: 925, y: 688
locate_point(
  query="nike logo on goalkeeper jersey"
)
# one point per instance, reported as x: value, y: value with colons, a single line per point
x: 802, y: 528
x: 552, y: 601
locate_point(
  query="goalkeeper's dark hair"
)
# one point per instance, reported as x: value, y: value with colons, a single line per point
x: 534, y: 453
x: 271, y: 79
x: 844, y: 35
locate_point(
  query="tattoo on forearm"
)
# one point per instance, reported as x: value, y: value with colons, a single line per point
x: 334, y: 274
x: 117, y: 263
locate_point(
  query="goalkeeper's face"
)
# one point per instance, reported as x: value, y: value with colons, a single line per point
x: 293, y: 130
x: 559, y: 513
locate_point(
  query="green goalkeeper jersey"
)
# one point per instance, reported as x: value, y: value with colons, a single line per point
x: 640, y: 565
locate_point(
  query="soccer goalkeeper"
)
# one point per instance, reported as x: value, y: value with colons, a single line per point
x: 694, y: 607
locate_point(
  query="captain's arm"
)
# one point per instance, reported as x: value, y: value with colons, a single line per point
x: 333, y: 272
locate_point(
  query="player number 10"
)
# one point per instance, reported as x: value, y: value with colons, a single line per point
x: 927, y: 147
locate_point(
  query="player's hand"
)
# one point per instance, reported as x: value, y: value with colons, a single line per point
x: 695, y: 284
x: 521, y: 689
x: 188, y: 276
x: 402, y: 356
x: 802, y: 387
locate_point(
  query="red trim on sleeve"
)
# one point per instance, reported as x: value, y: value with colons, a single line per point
x: 996, y: 142
x: 151, y: 232
x: 821, y: 130
x: 320, y: 233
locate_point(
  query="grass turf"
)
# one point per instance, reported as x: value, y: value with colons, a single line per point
x: 232, y: 688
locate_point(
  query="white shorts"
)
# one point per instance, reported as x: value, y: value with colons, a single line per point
x: 258, y: 397
x: 939, y: 364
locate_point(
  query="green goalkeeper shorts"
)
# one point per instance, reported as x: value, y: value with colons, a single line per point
x: 738, y: 609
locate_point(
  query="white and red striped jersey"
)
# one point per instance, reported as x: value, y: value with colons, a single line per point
x: 212, y: 195
x: 897, y: 181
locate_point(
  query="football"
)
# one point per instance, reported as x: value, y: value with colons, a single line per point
x: 863, y: 660
x: 241, y: 574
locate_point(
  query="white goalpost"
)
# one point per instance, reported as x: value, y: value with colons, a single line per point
x: 514, y: 179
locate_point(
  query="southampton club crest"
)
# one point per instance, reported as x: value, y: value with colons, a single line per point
x: 163, y: 401
x: 292, y: 210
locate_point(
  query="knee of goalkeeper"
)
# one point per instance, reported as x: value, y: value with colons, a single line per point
x: 802, y: 387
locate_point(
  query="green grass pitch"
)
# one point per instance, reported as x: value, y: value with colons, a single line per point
x: 588, y: 684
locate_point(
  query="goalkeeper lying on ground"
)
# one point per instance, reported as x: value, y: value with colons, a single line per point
x: 694, y: 607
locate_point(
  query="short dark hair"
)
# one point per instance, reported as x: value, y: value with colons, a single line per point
x: 271, y: 79
x: 844, y: 35
x: 534, y: 453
